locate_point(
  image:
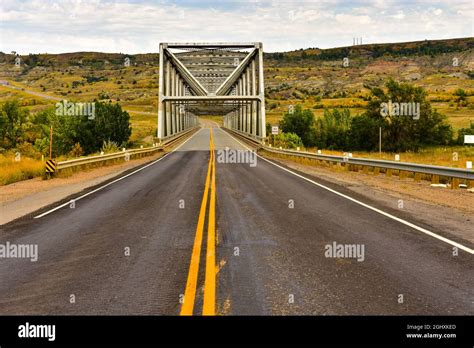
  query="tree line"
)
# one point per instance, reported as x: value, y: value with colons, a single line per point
x: 425, y: 48
x: 339, y: 130
x: 29, y: 133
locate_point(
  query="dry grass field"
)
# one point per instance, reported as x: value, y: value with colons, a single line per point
x: 315, y: 84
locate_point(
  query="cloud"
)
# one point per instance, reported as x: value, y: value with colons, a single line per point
x: 399, y: 15
x: 33, y: 26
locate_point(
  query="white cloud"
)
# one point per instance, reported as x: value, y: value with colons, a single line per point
x: 133, y: 27
x: 399, y: 15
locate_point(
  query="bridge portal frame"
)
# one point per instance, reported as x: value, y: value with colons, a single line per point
x: 185, y: 92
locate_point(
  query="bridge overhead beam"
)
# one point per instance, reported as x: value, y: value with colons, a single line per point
x: 223, y: 79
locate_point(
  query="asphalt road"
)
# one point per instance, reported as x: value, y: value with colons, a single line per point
x: 272, y: 231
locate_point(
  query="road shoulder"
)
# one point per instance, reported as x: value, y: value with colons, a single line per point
x: 444, y: 209
x: 24, y: 197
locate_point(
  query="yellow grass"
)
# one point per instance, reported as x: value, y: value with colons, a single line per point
x: 12, y: 171
x: 143, y: 127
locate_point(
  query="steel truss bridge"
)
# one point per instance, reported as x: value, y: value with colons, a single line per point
x: 205, y: 79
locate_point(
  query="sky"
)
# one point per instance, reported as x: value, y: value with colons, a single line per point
x: 134, y: 26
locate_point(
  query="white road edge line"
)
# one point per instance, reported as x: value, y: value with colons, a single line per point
x: 114, y: 181
x: 418, y: 228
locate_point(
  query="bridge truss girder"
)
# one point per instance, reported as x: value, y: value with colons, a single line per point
x: 199, y: 79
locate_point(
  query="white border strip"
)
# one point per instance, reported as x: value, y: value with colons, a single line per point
x: 114, y: 181
x: 421, y: 229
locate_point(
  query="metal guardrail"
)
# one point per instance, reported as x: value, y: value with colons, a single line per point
x: 252, y: 138
x: 450, y: 172
x: 402, y: 166
x: 122, y: 154
x: 166, y: 141
x: 105, y: 157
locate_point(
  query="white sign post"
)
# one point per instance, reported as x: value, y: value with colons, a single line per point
x: 468, y: 139
x: 274, y: 132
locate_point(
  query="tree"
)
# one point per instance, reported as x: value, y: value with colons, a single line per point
x: 464, y: 131
x: 300, y: 122
x: 12, y: 122
x: 66, y: 131
x: 332, y: 130
x: 110, y: 123
x: 403, y: 133
x: 287, y: 140
x: 461, y: 96
x: 364, y: 133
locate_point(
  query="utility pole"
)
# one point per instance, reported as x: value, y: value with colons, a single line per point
x: 380, y: 140
x: 51, y: 142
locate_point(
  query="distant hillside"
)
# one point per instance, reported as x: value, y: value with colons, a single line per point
x: 406, y: 49
x: 313, y: 77
x: 95, y: 60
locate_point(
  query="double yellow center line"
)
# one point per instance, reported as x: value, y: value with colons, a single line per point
x: 209, y: 305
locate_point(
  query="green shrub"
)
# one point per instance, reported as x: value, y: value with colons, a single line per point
x: 287, y: 140
x: 109, y: 147
x: 77, y: 150
x: 299, y: 122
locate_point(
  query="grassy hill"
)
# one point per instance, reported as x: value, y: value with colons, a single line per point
x: 313, y: 77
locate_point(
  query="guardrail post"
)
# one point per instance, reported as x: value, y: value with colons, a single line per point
x: 417, y: 177
x: 454, y: 183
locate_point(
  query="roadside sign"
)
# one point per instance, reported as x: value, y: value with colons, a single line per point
x: 468, y: 139
x: 50, y: 166
x: 274, y: 129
